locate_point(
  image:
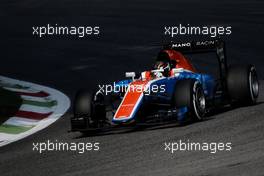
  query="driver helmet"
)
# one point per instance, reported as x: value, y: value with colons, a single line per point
x: 163, y: 65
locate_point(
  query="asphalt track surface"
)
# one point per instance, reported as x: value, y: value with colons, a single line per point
x: 129, y: 32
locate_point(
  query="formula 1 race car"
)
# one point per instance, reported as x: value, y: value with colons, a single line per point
x: 172, y: 90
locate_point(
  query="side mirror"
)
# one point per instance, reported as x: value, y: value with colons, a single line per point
x: 131, y: 75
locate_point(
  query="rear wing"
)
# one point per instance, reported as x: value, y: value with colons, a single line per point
x: 196, y: 46
x: 217, y: 46
x: 206, y: 46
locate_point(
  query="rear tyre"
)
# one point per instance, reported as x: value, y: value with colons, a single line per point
x: 189, y: 93
x: 243, y: 85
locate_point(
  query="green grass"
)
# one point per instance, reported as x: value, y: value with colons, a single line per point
x: 12, y: 129
x: 9, y: 104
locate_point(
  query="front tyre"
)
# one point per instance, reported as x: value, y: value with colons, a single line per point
x: 82, y: 111
x: 83, y: 104
x: 189, y: 93
x: 89, y: 111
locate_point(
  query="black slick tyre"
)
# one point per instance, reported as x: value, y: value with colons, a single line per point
x: 242, y: 84
x: 189, y: 93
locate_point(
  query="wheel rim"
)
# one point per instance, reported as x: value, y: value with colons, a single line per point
x: 199, y: 102
x: 253, y: 84
x: 200, y: 99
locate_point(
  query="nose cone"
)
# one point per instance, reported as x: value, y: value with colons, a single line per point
x: 131, y: 102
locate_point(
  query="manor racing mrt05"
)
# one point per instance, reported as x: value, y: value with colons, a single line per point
x: 172, y: 90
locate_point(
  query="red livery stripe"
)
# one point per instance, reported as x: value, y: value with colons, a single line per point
x: 35, y: 94
x: 32, y: 115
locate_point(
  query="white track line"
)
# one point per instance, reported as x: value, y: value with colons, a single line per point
x: 40, y: 99
x: 21, y: 90
x: 37, y: 109
x: 18, y: 121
